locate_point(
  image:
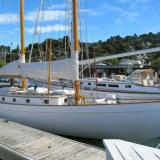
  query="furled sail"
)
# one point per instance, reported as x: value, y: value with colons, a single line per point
x: 11, y: 69
x: 39, y: 70
x: 59, y: 69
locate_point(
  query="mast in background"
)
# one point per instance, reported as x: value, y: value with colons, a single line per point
x: 22, y: 52
x: 75, y: 54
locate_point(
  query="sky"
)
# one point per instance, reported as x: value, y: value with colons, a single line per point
x: 98, y: 19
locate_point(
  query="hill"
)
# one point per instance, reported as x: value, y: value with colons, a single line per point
x: 113, y: 45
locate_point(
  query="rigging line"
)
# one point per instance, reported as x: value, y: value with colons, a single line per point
x: 59, y: 32
x: 155, y: 7
x: 81, y: 37
x: 69, y: 29
x: 66, y: 23
x: 37, y: 20
x: 42, y: 54
x: 40, y: 48
x: 86, y: 36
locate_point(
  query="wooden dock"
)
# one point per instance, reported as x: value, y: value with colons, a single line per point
x: 19, y: 142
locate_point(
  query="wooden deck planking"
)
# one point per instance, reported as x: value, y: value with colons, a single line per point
x: 40, y: 145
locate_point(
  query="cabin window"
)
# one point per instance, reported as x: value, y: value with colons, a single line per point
x: 46, y: 101
x: 128, y: 86
x: 101, y: 85
x: 14, y: 99
x: 113, y: 85
x: 3, y: 98
x: 65, y: 100
x: 89, y: 84
x: 27, y: 100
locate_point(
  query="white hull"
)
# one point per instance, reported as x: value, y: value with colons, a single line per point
x: 134, y: 122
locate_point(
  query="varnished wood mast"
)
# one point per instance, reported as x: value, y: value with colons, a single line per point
x: 24, y: 84
x: 76, y: 48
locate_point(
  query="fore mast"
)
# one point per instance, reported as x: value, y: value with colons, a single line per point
x: 75, y: 54
x: 22, y: 52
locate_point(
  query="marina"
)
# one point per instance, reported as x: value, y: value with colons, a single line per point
x: 48, y: 104
x: 74, y: 114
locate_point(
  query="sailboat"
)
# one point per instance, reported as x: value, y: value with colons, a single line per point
x: 71, y: 116
x: 133, y: 88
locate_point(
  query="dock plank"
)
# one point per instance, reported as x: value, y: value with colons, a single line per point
x: 40, y: 145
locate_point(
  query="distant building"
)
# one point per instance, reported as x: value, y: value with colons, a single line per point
x: 123, y: 68
x: 130, y: 62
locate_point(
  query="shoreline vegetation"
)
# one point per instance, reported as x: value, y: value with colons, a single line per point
x: 116, y: 44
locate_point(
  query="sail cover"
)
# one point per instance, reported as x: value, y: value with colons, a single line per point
x: 59, y: 69
x: 39, y: 70
x: 11, y: 69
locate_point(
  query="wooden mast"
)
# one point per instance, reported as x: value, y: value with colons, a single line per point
x: 76, y: 51
x: 22, y: 56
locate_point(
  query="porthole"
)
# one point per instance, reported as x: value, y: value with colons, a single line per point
x: 65, y: 100
x: 14, y: 99
x: 46, y: 101
x: 3, y: 98
x: 27, y: 100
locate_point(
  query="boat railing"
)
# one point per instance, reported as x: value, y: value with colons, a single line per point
x: 158, y: 147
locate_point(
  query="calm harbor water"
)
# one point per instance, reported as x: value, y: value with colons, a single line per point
x: 99, y: 143
x: 93, y: 142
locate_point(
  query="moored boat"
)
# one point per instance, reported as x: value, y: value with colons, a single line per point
x: 71, y: 115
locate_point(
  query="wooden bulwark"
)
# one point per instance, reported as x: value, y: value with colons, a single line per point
x: 16, y: 139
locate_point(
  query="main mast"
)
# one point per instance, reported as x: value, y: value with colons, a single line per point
x: 22, y: 52
x: 75, y: 54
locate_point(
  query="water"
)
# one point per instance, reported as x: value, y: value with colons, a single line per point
x: 92, y: 142
x: 99, y: 143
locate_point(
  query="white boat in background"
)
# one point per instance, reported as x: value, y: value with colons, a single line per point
x: 140, y: 81
x: 139, y: 86
x: 72, y: 115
